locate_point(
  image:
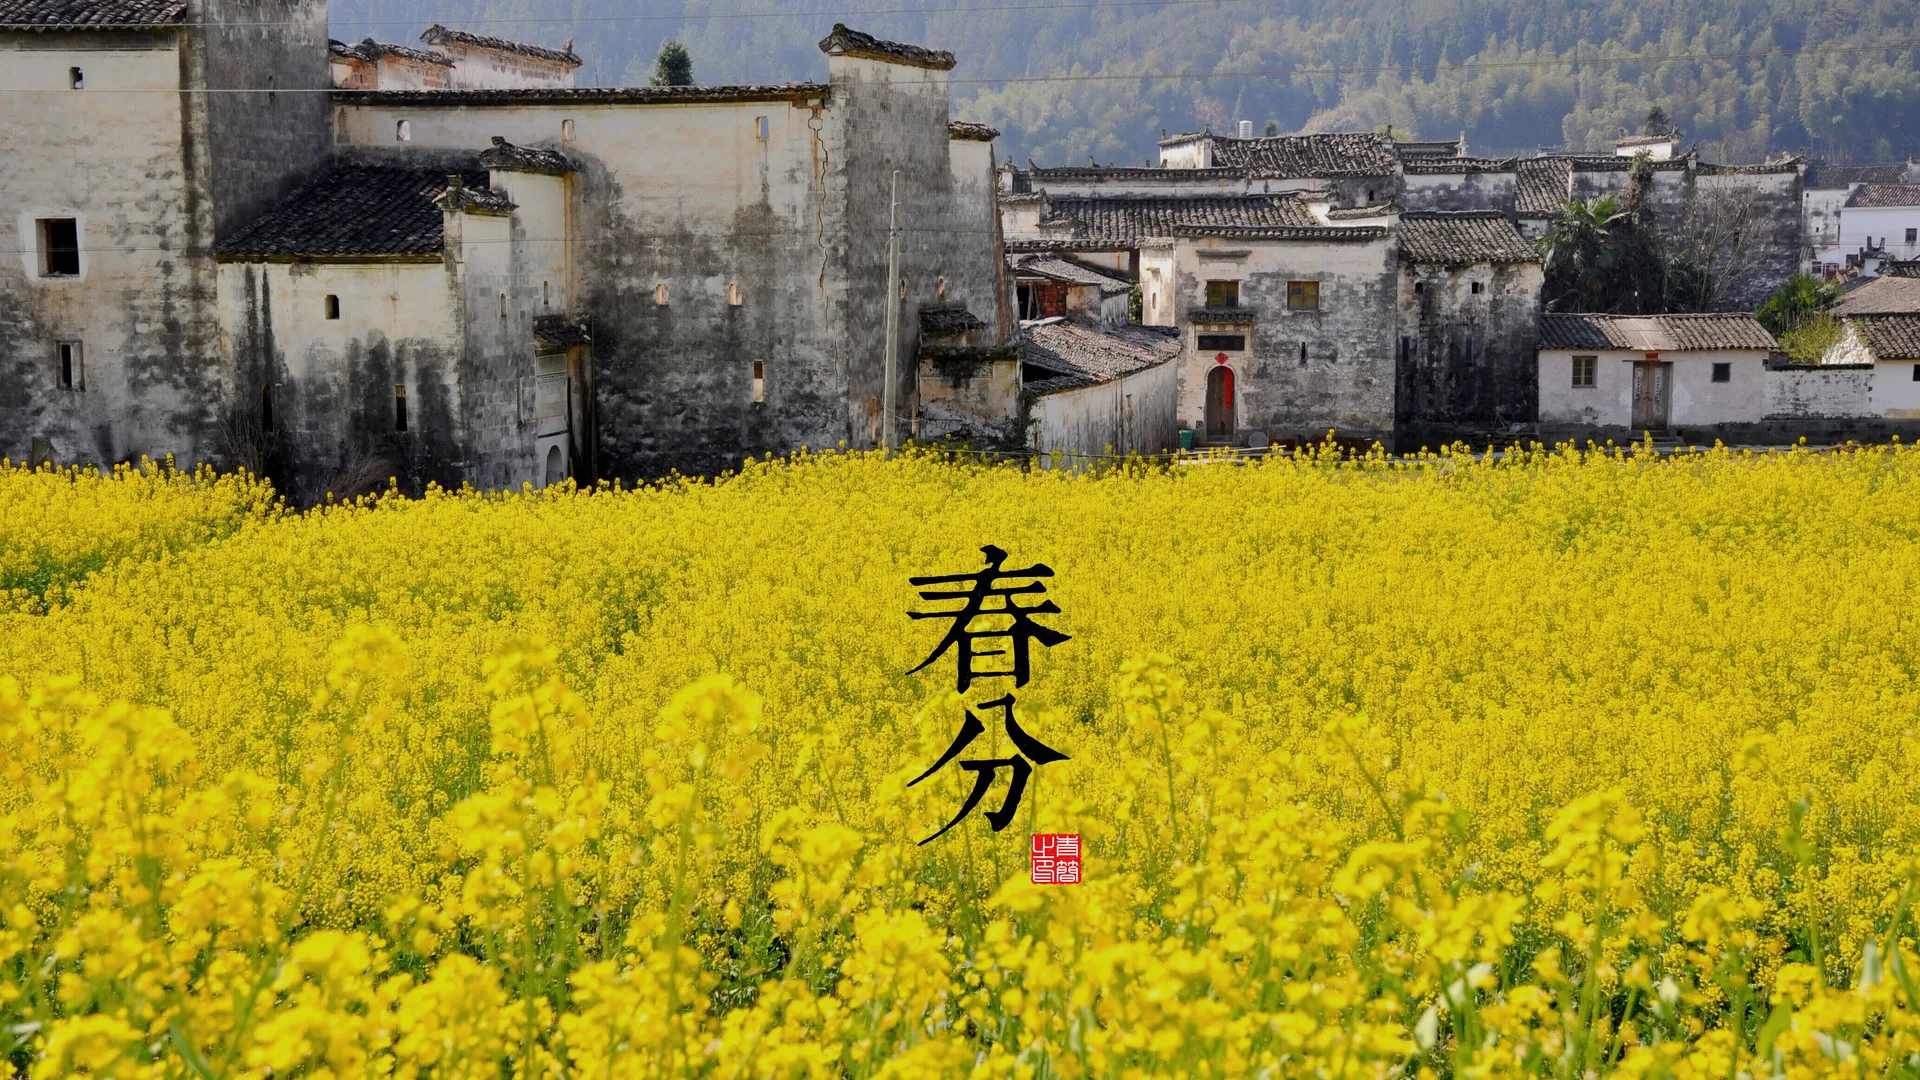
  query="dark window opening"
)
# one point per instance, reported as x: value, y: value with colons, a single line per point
x: 1916, y: 373
x: 1223, y: 294
x: 1723, y: 373
x: 266, y: 407
x: 759, y: 381
x: 1223, y: 342
x: 76, y: 78
x: 399, y: 406
x: 1303, y: 354
x: 1303, y: 296
x: 1467, y: 354
x: 1583, y: 371
x: 71, y: 374
x: 1419, y: 287
x: 59, y: 247
x: 1042, y: 299
x: 1476, y: 288
x: 1406, y: 350
x: 1913, y: 236
x: 333, y: 306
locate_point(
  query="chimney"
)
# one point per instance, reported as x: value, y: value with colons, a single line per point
x: 1246, y: 129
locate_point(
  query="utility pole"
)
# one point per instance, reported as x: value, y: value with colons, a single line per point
x: 889, y: 434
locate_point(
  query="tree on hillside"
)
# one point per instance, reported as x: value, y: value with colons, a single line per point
x: 1657, y: 122
x: 673, y: 66
x: 1273, y: 128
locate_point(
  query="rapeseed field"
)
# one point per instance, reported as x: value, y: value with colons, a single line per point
x: 1559, y: 765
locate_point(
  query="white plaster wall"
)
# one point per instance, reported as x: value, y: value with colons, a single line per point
x: 1607, y: 403
x: 717, y: 169
x: 1820, y: 216
x: 487, y: 69
x: 1697, y: 399
x: 1134, y: 414
x: 1824, y: 391
x: 542, y: 223
x: 1894, y: 393
x: 110, y: 156
x: 1890, y: 224
x: 1193, y: 154
x: 1157, y: 287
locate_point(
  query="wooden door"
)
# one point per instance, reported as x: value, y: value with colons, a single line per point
x: 1219, y: 422
x: 1651, y: 382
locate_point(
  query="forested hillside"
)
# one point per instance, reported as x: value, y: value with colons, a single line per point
x: 1063, y: 78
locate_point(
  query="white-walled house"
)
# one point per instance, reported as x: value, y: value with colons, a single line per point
x: 1878, y: 223
x: 1890, y: 344
x: 1650, y: 373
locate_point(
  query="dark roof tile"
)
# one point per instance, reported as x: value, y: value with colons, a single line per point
x: 1873, y: 196
x: 1462, y: 238
x: 558, y: 332
x: 353, y: 211
x: 1125, y: 219
x: 1326, y: 155
x: 1543, y: 186
x: 1655, y: 333
x: 841, y: 41
x: 947, y: 321
x: 507, y: 157
x: 1075, y: 355
x: 370, y: 50
x: 586, y: 95
x: 1441, y: 166
x: 89, y: 14
x: 1891, y: 337
x: 1840, y: 176
x: 1882, y: 296
x: 440, y: 35
x: 961, y: 129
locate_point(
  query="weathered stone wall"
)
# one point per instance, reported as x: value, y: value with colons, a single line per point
x: 115, y: 156
x: 1346, y: 379
x: 1794, y: 393
x: 1775, y: 253
x: 1130, y: 415
x: 1466, y: 356
x: 1459, y: 191
x: 268, y: 125
x: 334, y: 421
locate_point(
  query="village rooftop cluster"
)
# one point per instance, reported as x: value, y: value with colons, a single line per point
x: 242, y: 242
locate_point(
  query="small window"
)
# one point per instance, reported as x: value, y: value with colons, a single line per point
x: 1913, y: 236
x: 1223, y: 294
x: 1369, y: 196
x: 76, y: 79
x: 1723, y: 372
x: 1303, y: 296
x: 333, y: 306
x: 660, y: 295
x: 733, y: 297
x: 1583, y: 370
x: 566, y: 131
x: 1467, y: 349
x: 762, y: 127
x: 503, y: 305
x: 59, y: 247
x: 1916, y: 373
x: 266, y: 407
x: 72, y: 374
x: 546, y: 294
x: 1303, y: 354
x: 1223, y: 343
x: 1419, y: 287
x: 1406, y: 350
x: 399, y: 406
x: 1476, y: 288
x: 403, y: 131
x: 759, y: 382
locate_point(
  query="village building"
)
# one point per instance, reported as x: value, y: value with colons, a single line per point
x: 1889, y: 347
x: 1468, y: 321
x: 1098, y: 392
x: 1060, y: 285
x: 498, y: 280
x: 1622, y: 375
x: 1826, y: 190
x: 1878, y: 223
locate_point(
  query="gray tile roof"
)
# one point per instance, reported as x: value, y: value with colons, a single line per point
x: 843, y: 41
x: 88, y: 14
x: 961, y: 129
x: 1328, y: 155
x: 1891, y: 337
x: 1328, y: 234
x: 946, y: 321
x: 1125, y: 219
x: 370, y: 50
x: 1875, y: 196
x: 1896, y: 268
x: 558, y: 332
x: 1881, y: 296
x: 1655, y: 333
x: 507, y: 157
x: 1441, y: 166
x: 440, y: 35
x: 1543, y: 186
x: 1462, y: 238
x: 1840, y: 176
x: 1348, y: 213
x: 588, y: 95
x: 1071, y: 271
x: 1069, y: 355
x: 352, y: 211
x: 1409, y: 149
